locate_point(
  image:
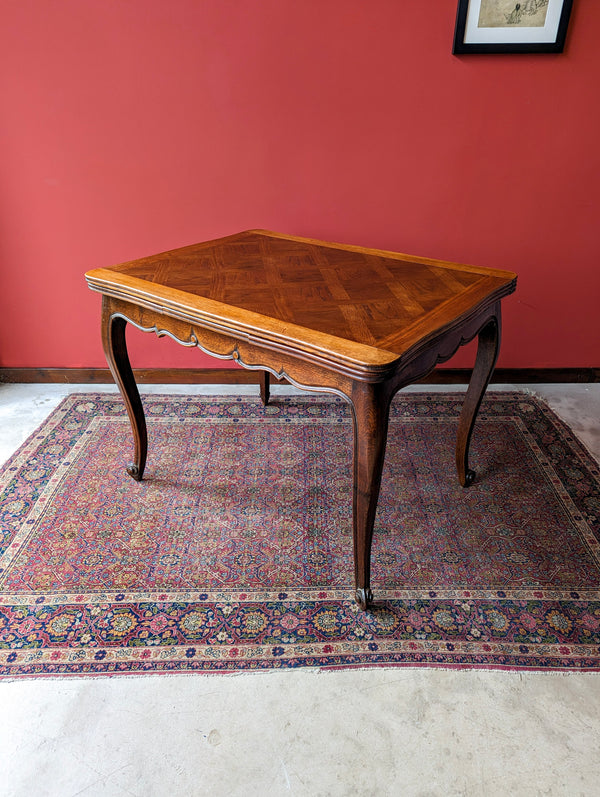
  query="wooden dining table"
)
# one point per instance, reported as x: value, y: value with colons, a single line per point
x: 358, y: 322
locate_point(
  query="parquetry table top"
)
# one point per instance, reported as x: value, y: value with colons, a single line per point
x: 363, y: 304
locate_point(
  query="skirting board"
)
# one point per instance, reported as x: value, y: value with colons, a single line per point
x: 239, y: 376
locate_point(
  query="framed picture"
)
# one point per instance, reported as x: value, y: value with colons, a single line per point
x: 511, y: 26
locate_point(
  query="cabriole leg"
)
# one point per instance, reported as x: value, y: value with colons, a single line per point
x: 487, y: 354
x: 115, y: 350
x: 371, y: 411
x: 264, y: 378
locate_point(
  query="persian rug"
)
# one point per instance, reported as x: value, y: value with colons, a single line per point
x: 235, y: 551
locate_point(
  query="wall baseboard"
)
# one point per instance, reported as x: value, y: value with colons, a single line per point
x: 148, y: 376
x: 239, y: 376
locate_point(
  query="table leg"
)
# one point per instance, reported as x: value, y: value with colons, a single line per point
x: 371, y: 411
x: 115, y: 350
x: 265, y: 386
x: 487, y: 354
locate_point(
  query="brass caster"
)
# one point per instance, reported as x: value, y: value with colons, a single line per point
x: 364, y: 597
x: 135, y: 473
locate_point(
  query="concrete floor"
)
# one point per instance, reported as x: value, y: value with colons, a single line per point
x: 414, y: 732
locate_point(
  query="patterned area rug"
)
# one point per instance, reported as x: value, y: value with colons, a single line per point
x: 235, y: 552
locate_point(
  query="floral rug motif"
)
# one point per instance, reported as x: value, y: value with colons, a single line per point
x: 235, y: 551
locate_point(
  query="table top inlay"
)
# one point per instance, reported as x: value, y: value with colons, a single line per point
x: 378, y: 303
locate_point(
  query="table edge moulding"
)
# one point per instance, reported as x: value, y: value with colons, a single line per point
x: 365, y: 368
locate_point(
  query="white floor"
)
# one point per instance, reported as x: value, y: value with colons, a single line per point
x: 413, y: 732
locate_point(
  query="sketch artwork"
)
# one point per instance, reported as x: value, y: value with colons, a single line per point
x: 508, y: 13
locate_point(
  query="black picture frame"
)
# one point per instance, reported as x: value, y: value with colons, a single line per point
x: 514, y: 37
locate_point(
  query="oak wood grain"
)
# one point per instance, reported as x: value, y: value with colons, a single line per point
x: 360, y: 310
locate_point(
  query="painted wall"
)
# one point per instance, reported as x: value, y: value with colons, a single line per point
x: 133, y: 126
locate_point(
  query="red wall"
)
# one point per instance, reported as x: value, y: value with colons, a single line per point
x: 132, y: 126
